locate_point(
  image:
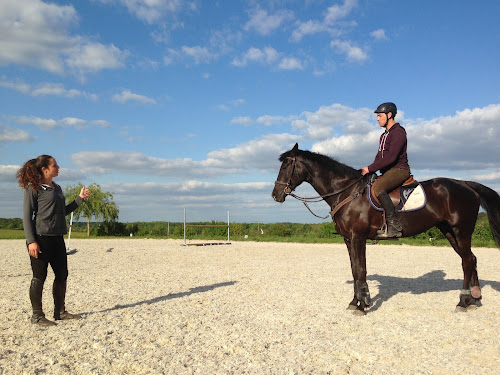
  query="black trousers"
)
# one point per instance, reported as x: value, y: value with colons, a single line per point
x: 54, y: 253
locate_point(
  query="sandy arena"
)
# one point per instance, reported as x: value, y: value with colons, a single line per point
x: 156, y: 307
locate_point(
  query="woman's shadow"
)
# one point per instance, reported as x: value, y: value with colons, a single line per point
x: 434, y: 281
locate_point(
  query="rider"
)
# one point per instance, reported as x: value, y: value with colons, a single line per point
x: 392, y: 161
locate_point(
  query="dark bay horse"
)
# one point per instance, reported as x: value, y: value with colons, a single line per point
x: 452, y: 206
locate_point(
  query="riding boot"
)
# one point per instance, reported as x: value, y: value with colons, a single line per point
x: 36, y: 291
x: 59, y: 293
x: 392, y: 228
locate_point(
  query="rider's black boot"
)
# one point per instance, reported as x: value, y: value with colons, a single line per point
x: 59, y: 293
x: 392, y: 228
x: 38, y: 317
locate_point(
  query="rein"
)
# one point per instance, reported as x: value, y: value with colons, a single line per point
x: 288, y: 191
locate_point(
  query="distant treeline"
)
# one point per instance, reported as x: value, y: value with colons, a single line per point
x: 292, y: 232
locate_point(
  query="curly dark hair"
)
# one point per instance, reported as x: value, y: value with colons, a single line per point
x: 31, y: 172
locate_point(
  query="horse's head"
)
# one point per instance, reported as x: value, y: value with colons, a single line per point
x: 292, y: 173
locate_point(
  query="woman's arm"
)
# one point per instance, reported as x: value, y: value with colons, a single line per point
x: 30, y: 209
x: 84, y: 194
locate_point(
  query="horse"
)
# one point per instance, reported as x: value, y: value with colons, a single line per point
x: 452, y: 206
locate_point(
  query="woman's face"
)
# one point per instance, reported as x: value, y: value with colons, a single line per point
x: 52, y: 169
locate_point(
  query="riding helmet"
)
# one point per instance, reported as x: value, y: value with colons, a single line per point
x: 386, y: 108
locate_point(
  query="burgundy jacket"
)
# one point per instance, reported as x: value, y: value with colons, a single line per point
x: 391, y: 151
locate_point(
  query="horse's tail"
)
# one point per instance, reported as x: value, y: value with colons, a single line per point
x: 490, y: 201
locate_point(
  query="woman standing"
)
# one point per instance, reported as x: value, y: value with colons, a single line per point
x: 44, y: 223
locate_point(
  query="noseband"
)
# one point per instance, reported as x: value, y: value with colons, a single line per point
x: 288, y: 190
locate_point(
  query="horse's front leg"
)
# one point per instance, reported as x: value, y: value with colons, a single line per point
x: 353, y: 305
x: 357, y: 254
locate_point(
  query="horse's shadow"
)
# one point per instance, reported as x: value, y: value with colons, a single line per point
x: 434, y: 281
x: 198, y: 289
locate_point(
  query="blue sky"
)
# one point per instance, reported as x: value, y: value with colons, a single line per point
x: 173, y: 104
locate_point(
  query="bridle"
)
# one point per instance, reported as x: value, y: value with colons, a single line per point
x: 289, y: 191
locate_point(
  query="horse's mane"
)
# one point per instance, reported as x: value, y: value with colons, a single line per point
x: 323, y: 160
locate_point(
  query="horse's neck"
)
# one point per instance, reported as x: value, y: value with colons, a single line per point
x: 326, y: 182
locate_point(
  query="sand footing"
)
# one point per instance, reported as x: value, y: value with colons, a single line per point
x: 156, y: 307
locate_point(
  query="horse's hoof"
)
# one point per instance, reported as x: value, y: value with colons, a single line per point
x: 352, y: 307
x: 359, y: 312
x: 476, y: 292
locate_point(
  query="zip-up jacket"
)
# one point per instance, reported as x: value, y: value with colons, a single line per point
x: 391, y: 151
x: 45, y: 212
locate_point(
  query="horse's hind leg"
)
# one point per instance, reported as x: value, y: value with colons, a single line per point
x: 471, y: 292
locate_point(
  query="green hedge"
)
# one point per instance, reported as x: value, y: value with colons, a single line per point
x: 284, y: 232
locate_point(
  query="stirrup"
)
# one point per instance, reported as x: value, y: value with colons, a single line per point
x: 384, y: 233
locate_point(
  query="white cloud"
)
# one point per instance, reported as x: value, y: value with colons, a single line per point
x: 67, y: 122
x: 260, y: 154
x: 198, y: 54
x: 204, y: 201
x: 19, y: 86
x: 273, y: 120
x: 264, y: 23
x: 55, y: 89
x: 152, y: 11
x: 101, y: 123
x: 353, y: 53
x: 308, y: 28
x: 59, y: 90
x: 44, y: 124
x: 189, y: 188
x: 93, y: 57
x: 335, y: 118
x: 126, y: 96
x: 242, y: 120
x: 337, y: 12
x: 379, y: 34
x: 219, y: 42
x: 265, y: 56
x: 14, y: 135
x: 226, y: 107
x: 35, y: 33
x: 8, y: 172
x: 333, y: 15
x: 493, y: 176
x: 457, y: 142
x: 290, y: 63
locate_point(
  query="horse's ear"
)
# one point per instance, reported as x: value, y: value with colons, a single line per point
x: 296, y: 147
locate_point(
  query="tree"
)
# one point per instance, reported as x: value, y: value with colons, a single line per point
x: 99, y: 205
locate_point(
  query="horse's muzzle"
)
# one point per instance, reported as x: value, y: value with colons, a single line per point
x: 278, y: 195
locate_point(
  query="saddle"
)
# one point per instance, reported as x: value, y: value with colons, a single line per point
x: 410, y: 196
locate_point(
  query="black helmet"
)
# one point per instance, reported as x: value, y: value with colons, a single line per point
x: 386, y: 108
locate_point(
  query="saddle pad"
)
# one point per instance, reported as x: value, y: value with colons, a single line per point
x: 412, y: 199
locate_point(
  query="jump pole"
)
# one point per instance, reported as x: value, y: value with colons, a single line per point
x: 68, y: 250
x: 206, y: 244
x: 69, y: 231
